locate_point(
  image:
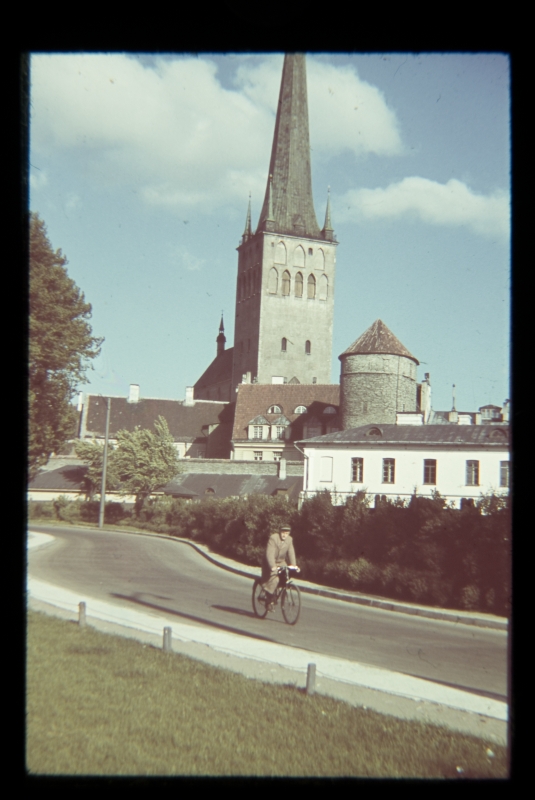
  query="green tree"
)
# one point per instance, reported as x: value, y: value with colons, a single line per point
x: 61, y: 346
x: 93, y: 454
x: 145, y: 461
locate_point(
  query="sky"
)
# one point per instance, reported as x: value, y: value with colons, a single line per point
x: 141, y: 167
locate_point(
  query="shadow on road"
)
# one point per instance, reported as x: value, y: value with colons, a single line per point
x: 202, y: 620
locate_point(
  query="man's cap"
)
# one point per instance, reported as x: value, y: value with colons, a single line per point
x: 285, y: 528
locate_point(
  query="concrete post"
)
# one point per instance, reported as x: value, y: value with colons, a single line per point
x: 167, y: 632
x: 311, y: 679
x: 81, y: 615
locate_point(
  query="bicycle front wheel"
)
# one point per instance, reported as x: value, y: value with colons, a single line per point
x: 259, y: 606
x: 291, y: 604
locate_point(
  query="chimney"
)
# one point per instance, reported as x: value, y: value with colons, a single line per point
x: 282, y: 469
x: 189, y: 401
x: 133, y: 395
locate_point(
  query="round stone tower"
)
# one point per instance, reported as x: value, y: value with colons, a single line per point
x: 377, y: 379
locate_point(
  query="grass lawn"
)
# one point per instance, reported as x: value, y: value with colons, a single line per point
x: 103, y: 705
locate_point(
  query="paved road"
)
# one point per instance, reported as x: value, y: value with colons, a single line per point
x: 177, y: 582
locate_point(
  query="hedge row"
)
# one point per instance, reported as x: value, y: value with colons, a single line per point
x: 421, y: 551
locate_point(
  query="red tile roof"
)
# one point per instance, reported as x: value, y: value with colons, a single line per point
x: 254, y: 399
x: 219, y: 371
x: 378, y: 339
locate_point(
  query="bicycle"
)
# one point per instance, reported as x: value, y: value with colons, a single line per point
x: 287, y: 591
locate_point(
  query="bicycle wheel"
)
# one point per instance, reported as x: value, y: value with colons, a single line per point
x: 291, y: 604
x: 259, y: 607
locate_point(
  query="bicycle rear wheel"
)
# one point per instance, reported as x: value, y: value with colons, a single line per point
x: 259, y: 606
x: 291, y: 604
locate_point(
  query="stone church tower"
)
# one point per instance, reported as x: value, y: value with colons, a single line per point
x: 285, y: 284
x: 377, y: 379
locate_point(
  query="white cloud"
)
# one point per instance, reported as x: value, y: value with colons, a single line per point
x: 188, y: 261
x: 38, y: 178
x: 346, y: 113
x: 176, y: 135
x: 452, y: 203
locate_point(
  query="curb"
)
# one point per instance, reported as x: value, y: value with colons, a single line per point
x: 459, y: 617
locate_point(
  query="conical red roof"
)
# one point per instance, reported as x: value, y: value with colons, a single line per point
x: 378, y: 339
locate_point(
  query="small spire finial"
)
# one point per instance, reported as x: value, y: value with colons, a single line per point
x: 328, y: 232
x: 221, y: 338
x: 270, y: 199
x: 248, y: 230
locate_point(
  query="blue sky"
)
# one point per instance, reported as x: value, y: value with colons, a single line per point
x: 141, y: 167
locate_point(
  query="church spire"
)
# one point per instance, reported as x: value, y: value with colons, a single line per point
x: 221, y: 339
x: 248, y: 231
x: 328, y: 232
x: 290, y: 190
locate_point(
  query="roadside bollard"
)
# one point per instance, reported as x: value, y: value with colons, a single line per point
x: 167, y: 639
x: 311, y: 678
x: 81, y: 615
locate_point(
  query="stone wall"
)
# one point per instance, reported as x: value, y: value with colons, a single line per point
x: 374, y: 387
x: 227, y: 467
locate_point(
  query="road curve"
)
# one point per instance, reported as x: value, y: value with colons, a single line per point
x: 173, y: 579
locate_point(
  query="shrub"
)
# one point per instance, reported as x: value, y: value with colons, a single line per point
x: 41, y: 509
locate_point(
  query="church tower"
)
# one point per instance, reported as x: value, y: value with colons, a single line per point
x: 285, y: 285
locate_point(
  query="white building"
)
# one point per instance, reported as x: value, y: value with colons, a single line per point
x: 461, y: 462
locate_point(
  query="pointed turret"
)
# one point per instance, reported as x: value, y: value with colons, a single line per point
x: 248, y: 230
x: 328, y: 232
x: 377, y: 379
x: 221, y: 339
x: 378, y: 339
x: 290, y: 189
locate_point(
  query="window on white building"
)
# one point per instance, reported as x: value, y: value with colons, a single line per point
x: 258, y: 455
x: 430, y: 471
x: 277, y: 456
x: 280, y: 431
x: 357, y: 470
x: 326, y: 469
x: 472, y: 473
x: 258, y: 431
x: 505, y: 478
x: 389, y: 470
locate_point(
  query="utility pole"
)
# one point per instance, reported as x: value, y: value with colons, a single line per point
x: 104, y: 465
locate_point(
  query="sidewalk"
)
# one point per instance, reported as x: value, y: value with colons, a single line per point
x: 381, y: 689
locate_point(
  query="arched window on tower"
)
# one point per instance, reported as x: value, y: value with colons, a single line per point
x: 280, y: 253
x: 299, y: 257
x: 311, y: 287
x: 308, y: 347
x: 323, y: 288
x: 284, y: 343
x: 285, y: 283
x: 319, y: 259
x: 299, y: 285
x: 273, y: 281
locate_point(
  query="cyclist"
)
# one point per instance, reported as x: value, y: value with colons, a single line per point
x: 280, y: 549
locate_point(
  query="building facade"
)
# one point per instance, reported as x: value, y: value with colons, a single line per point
x: 461, y: 462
